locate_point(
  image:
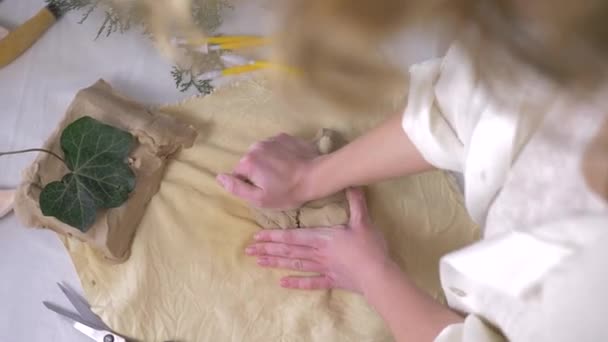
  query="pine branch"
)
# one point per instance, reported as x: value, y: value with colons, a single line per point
x: 203, y: 86
x: 186, y: 79
x: 71, y: 5
x: 206, y: 14
x: 88, y: 12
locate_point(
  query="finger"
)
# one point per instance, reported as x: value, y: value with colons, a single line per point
x: 301, y: 265
x: 259, y: 165
x: 240, y: 188
x: 302, y: 237
x: 359, y: 216
x: 283, y: 138
x: 247, y: 165
x: 281, y: 250
x: 307, y: 283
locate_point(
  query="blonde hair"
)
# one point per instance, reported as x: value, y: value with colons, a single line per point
x: 334, y: 42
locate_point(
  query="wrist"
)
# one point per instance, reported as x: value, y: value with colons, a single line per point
x: 384, y: 272
x: 313, y: 182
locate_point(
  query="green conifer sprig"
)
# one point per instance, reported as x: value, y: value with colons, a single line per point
x: 205, y: 13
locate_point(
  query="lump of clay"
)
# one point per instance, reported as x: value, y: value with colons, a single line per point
x: 157, y: 135
x: 329, y: 211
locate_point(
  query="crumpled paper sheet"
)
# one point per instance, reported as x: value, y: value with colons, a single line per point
x: 158, y: 137
x: 188, y: 278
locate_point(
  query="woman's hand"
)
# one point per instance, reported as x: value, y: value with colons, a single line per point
x: 354, y: 257
x: 273, y: 173
x: 284, y: 172
x: 345, y: 257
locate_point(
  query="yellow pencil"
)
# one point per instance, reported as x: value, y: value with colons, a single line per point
x: 245, y: 68
x: 231, y: 42
x: 256, y: 65
x: 234, y: 39
x: 237, y: 45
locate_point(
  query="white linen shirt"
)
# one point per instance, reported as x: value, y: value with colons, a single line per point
x: 540, y: 273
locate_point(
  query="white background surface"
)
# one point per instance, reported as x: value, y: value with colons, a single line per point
x: 34, y: 93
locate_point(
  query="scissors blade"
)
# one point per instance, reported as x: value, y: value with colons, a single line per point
x: 83, y: 308
x: 68, y: 314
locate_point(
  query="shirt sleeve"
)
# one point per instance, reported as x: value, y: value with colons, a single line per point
x: 456, y: 123
x: 573, y: 296
x: 473, y: 329
x: 441, y: 113
x: 541, y: 285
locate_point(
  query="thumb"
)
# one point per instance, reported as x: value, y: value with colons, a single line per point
x: 359, y: 216
x: 240, y: 188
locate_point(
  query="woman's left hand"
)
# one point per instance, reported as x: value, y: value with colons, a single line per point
x: 345, y: 257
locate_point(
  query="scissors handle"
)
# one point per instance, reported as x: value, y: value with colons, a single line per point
x: 98, y: 335
x: 113, y: 338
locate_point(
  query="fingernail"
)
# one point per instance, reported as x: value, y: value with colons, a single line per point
x: 262, y: 261
x: 258, y: 236
x: 284, y: 282
x: 250, y: 250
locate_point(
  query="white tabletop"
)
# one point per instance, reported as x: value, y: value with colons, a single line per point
x: 34, y: 93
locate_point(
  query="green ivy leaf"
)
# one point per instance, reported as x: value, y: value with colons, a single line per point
x: 96, y: 154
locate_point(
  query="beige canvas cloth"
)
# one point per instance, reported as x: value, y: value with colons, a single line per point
x: 157, y: 136
x: 188, y: 279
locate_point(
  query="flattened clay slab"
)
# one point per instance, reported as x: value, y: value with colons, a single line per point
x: 329, y: 211
x: 158, y: 137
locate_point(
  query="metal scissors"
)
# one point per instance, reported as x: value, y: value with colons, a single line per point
x: 85, y: 321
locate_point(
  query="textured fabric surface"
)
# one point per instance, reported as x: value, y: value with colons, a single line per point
x: 188, y: 279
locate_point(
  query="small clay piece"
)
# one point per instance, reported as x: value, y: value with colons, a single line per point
x: 329, y: 211
x: 157, y: 136
x: 7, y: 197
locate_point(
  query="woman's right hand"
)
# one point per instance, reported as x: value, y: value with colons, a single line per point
x: 273, y: 173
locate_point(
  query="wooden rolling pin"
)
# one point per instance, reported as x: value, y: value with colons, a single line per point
x: 15, y: 43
